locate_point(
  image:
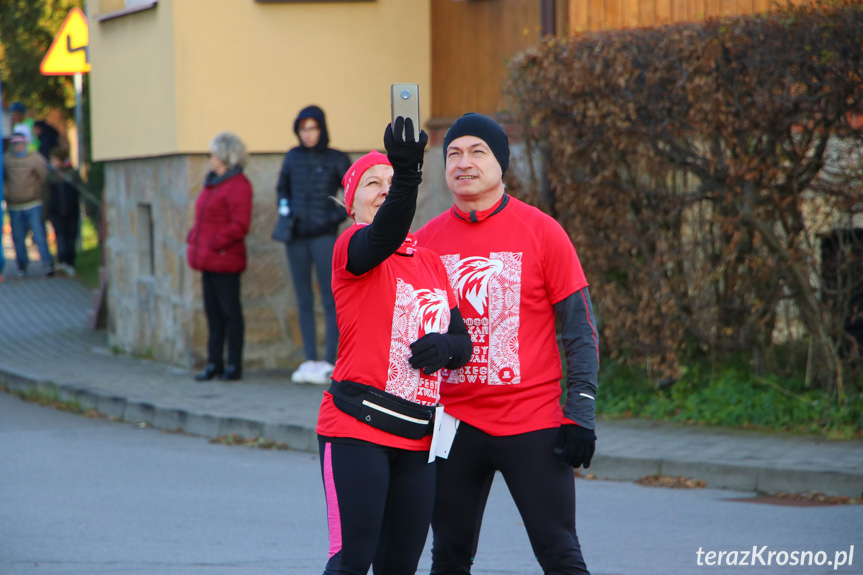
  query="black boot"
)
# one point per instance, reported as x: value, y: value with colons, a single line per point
x: 210, y: 371
x: 232, y: 373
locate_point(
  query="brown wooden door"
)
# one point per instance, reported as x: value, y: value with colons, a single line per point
x: 472, y: 42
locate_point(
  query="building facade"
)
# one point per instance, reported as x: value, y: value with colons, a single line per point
x: 167, y: 75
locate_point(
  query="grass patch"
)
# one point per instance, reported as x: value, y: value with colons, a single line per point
x: 89, y: 259
x: 729, y: 395
x: 143, y: 354
x: 258, y: 442
x: 87, y: 264
x: 50, y: 399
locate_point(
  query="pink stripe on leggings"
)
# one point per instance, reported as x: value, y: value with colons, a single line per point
x: 334, y: 520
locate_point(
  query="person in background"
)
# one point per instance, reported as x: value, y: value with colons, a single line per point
x: 217, y: 248
x: 400, y: 326
x: 2, y: 255
x: 309, y: 179
x: 515, y: 272
x: 47, y: 136
x: 6, y: 132
x: 64, y: 210
x: 21, y: 124
x: 25, y: 177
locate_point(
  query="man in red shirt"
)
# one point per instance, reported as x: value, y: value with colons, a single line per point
x: 514, y: 271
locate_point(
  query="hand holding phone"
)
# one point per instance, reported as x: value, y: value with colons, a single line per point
x: 405, y: 102
x: 405, y: 155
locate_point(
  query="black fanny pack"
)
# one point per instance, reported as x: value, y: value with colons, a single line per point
x: 383, y: 410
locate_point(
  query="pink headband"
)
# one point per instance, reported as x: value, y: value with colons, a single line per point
x: 352, y: 178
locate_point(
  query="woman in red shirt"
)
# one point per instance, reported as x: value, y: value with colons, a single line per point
x: 399, y: 327
x: 217, y: 247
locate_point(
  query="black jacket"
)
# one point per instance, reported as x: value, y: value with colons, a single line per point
x: 64, y: 203
x: 49, y: 138
x: 309, y: 178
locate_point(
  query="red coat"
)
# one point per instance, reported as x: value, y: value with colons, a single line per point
x: 222, y: 215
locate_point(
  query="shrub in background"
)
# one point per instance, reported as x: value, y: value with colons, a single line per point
x: 694, y: 167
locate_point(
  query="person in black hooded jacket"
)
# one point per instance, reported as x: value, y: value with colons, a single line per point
x: 49, y: 138
x: 310, y: 177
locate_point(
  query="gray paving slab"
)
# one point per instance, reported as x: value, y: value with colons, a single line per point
x: 47, y: 346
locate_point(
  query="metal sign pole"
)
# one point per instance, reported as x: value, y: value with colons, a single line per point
x: 79, y: 89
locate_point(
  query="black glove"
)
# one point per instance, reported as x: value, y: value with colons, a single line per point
x: 575, y: 445
x: 405, y: 154
x: 431, y: 352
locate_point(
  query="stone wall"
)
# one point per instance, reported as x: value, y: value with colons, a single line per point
x: 154, y: 299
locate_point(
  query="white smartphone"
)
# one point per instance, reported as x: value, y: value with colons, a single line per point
x: 405, y: 102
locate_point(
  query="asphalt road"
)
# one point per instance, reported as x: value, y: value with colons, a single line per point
x: 85, y: 496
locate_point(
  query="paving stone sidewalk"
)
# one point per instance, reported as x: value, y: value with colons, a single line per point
x: 45, y: 344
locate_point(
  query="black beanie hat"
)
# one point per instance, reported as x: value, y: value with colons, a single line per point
x: 484, y: 128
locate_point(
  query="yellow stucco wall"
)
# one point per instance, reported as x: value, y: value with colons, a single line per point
x: 132, y: 88
x: 166, y: 80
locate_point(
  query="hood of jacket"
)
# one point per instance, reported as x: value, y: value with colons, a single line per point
x: 47, y: 129
x: 317, y: 114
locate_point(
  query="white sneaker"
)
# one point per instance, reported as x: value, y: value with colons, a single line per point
x: 301, y: 375
x: 320, y: 373
x: 67, y: 269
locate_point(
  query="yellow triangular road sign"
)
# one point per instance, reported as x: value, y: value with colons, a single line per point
x: 68, y: 52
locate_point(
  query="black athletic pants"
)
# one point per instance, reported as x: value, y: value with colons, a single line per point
x: 542, y: 488
x: 379, y: 502
x: 224, y: 318
x: 66, y: 233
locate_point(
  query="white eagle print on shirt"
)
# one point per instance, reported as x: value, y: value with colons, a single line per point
x: 434, y: 310
x: 492, y: 287
x: 471, y: 277
x: 416, y: 313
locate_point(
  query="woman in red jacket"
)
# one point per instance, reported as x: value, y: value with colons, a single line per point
x: 217, y: 248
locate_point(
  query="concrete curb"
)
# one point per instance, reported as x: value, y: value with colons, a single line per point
x: 165, y: 418
x: 303, y: 438
x: 737, y: 477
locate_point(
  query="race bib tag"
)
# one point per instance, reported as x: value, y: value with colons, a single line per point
x: 445, y: 426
